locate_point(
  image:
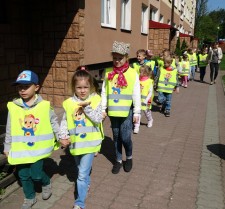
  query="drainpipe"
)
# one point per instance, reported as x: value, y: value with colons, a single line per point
x: 172, y: 23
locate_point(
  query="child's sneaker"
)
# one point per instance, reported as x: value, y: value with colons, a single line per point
x: 167, y: 113
x: 28, y: 203
x: 116, y: 167
x: 46, y: 192
x: 136, y: 130
x: 150, y: 123
x: 185, y: 86
x: 77, y: 207
x: 128, y: 165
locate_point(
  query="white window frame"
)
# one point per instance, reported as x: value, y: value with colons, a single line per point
x: 108, y: 13
x: 144, y: 19
x: 154, y: 14
x: 161, y: 18
x: 126, y: 14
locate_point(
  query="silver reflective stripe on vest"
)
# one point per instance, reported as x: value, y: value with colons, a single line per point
x: 168, y: 83
x: 120, y: 96
x: 85, y: 144
x: 32, y: 138
x: 118, y: 108
x: 165, y: 88
x: 83, y: 129
x: 31, y: 153
x: 143, y: 97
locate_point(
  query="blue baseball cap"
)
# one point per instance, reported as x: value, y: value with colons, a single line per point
x: 27, y: 77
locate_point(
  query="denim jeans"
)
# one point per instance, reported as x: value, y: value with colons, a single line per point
x: 122, y: 129
x: 214, y: 68
x: 83, y: 166
x: 192, y: 72
x: 28, y: 174
x: 165, y: 99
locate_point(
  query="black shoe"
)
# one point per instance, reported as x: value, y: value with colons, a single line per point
x: 157, y: 102
x: 162, y: 109
x: 128, y: 165
x: 167, y: 113
x: 116, y: 167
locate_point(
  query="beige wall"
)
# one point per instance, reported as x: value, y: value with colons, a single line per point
x: 98, y: 40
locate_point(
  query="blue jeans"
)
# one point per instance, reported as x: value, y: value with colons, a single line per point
x: 165, y: 99
x: 192, y: 72
x: 30, y: 173
x: 84, y: 164
x: 122, y: 129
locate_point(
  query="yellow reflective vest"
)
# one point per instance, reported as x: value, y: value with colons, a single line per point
x: 203, y: 60
x: 119, y: 99
x: 145, y: 86
x: 167, y: 80
x: 192, y: 59
x: 32, y: 135
x: 185, y: 68
x: 85, y: 135
x: 150, y: 63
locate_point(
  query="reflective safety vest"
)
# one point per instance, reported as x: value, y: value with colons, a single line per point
x: 185, y: 68
x: 203, y: 60
x: 167, y: 80
x: 145, y: 86
x: 150, y: 63
x: 32, y: 135
x: 192, y: 59
x: 85, y: 135
x: 119, y: 99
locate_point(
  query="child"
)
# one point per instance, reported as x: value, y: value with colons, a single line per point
x: 193, y: 63
x: 147, y: 94
x: 202, y: 63
x: 31, y: 126
x: 167, y: 82
x: 81, y: 126
x: 121, y: 94
x: 149, y: 56
x: 184, y: 68
x: 142, y: 60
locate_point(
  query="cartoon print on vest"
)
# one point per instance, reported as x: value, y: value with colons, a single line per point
x: 115, y: 88
x: 29, y: 126
x: 79, y: 120
x: 167, y: 77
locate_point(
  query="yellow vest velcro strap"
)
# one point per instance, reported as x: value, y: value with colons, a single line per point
x: 31, y: 153
x: 85, y: 144
x: 118, y: 108
x: 168, y: 83
x: 83, y: 129
x: 143, y: 97
x: 164, y: 88
x: 32, y: 138
x: 120, y: 96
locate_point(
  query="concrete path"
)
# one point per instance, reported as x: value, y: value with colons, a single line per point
x: 178, y: 163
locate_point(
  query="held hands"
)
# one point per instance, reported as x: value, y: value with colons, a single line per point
x: 65, y: 142
x: 135, y: 119
x: 84, y: 104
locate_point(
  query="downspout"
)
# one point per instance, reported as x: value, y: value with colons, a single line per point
x: 172, y: 23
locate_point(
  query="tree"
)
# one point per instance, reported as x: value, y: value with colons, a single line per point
x: 184, y: 46
x: 177, y: 49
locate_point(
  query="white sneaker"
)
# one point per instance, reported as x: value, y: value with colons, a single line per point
x: 28, y: 203
x: 136, y: 130
x: 46, y: 192
x: 150, y: 123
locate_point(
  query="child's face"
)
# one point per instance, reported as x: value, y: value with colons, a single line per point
x: 27, y: 91
x: 140, y: 57
x: 167, y: 64
x: 82, y: 88
x: 118, y: 59
x: 143, y: 72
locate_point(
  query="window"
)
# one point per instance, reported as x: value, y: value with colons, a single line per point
x: 161, y: 18
x: 153, y: 14
x: 144, y: 19
x: 126, y: 14
x: 168, y: 22
x: 108, y: 13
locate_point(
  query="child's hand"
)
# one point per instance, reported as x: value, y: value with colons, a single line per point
x: 84, y: 104
x: 177, y: 90
x: 135, y: 119
x: 65, y: 142
x: 6, y: 154
x: 104, y: 115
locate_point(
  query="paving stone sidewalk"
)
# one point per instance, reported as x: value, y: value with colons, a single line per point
x: 178, y: 163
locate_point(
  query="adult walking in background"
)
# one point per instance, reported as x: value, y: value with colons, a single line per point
x: 214, y: 58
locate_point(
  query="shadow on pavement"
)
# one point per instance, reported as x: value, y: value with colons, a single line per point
x: 217, y: 149
x: 108, y: 149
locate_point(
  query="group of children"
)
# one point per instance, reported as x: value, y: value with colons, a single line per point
x: 33, y: 132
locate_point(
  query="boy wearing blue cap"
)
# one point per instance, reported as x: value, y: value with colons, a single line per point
x: 31, y: 129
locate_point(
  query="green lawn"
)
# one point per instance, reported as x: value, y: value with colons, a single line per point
x: 222, y: 64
